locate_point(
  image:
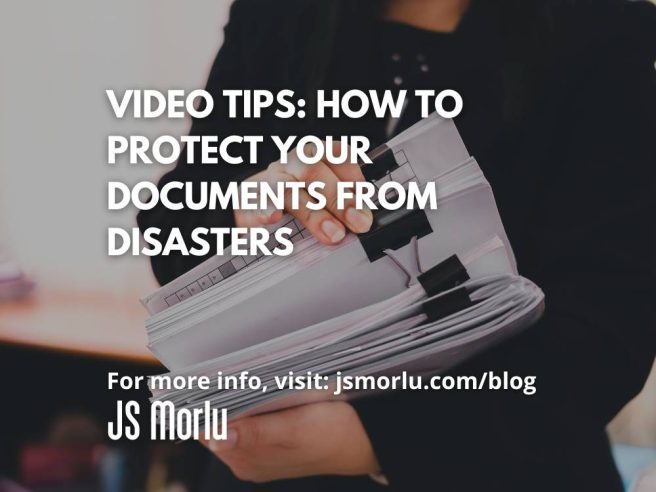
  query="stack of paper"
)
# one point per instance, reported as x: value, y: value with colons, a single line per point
x: 13, y: 282
x: 420, y: 292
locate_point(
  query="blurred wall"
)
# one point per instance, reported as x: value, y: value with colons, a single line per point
x: 57, y: 59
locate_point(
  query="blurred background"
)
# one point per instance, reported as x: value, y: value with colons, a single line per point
x: 68, y: 312
x: 83, y: 316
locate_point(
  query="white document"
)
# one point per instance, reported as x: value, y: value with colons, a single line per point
x: 445, y: 289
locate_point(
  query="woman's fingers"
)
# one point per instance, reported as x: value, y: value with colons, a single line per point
x: 344, y: 171
x: 330, y: 175
x: 316, y: 439
x: 357, y: 220
x: 321, y: 223
x: 257, y: 218
x: 329, y: 224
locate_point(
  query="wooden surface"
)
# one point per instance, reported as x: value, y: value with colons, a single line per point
x: 93, y: 323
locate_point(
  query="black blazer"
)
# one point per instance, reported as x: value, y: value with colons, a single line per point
x: 561, y: 114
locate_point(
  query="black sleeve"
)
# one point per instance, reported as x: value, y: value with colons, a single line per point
x: 592, y: 351
x: 226, y: 73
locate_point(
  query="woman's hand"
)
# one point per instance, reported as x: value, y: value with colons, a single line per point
x: 317, y: 439
x: 328, y: 225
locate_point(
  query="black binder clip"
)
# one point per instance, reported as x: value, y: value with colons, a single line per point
x: 444, y: 276
x: 393, y: 230
x: 383, y: 163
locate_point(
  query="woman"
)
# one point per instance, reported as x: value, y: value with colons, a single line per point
x: 559, y: 112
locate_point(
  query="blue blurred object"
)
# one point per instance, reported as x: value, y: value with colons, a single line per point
x: 631, y: 461
x: 113, y: 471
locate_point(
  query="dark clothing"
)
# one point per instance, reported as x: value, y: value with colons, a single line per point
x: 560, y: 113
